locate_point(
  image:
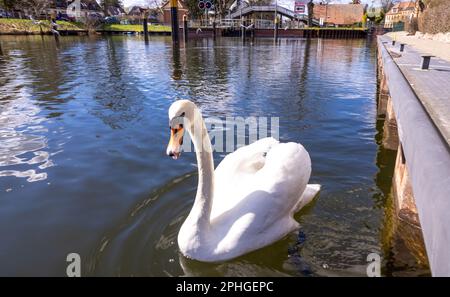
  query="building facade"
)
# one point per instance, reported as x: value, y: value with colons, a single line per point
x: 400, y: 12
x: 182, y: 11
x: 75, y: 9
x: 339, y: 14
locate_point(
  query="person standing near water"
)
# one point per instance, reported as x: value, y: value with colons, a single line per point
x: 54, y: 28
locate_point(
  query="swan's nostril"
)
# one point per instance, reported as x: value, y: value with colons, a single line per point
x: 173, y: 154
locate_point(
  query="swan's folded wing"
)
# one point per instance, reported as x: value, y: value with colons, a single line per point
x: 280, y: 169
x: 247, y: 159
x: 235, y: 174
x: 285, y: 174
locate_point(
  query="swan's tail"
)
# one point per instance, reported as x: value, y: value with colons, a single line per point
x: 308, y: 195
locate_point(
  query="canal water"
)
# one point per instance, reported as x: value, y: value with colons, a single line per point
x: 83, y: 132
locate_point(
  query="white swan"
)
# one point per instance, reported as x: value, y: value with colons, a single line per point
x: 249, y: 201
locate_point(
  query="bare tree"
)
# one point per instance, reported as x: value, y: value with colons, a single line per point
x: 8, y: 5
x: 387, y: 4
x: 221, y: 6
x: 34, y: 6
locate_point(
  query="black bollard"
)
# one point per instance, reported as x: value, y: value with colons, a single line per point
x: 402, y: 47
x: 185, y: 28
x: 174, y: 20
x: 214, y: 29
x: 393, y: 42
x: 426, y: 61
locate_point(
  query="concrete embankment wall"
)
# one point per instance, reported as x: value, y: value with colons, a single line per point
x: 422, y: 172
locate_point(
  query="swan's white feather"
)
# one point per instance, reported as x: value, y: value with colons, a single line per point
x: 258, y: 188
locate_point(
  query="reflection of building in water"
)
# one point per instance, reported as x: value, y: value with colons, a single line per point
x: 22, y: 146
x: 121, y: 102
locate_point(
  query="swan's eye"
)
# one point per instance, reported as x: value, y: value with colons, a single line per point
x: 183, y: 114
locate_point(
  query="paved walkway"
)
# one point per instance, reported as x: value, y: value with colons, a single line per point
x: 432, y: 86
x: 426, y: 46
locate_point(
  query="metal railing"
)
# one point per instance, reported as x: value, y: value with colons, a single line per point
x: 220, y: 23
x: 236, y: 24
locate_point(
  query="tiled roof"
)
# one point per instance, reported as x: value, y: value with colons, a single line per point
x: 402, y: 6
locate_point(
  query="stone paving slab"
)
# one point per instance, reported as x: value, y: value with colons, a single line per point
x: 431, y: 86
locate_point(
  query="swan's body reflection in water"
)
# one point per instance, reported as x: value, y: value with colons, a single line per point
x: 260, y: 262
x: 192, y: 268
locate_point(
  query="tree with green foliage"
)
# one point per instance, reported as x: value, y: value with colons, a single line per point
x: 379, y: 18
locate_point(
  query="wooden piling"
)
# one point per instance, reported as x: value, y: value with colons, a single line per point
x: 242, y: 29
x: 185, y: 28
x: 174, y: 20
x: 145, y: 25
x: 275, y: 31
x: 252, y: 32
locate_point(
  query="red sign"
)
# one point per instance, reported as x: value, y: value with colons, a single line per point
x: 300, y: 7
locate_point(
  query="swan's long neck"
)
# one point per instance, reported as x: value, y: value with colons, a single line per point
x: 201, y: 211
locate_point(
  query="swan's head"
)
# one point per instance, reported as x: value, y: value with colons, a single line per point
x: 181, y: 113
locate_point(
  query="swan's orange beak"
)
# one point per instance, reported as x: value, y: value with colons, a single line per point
x: 175, y: 142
